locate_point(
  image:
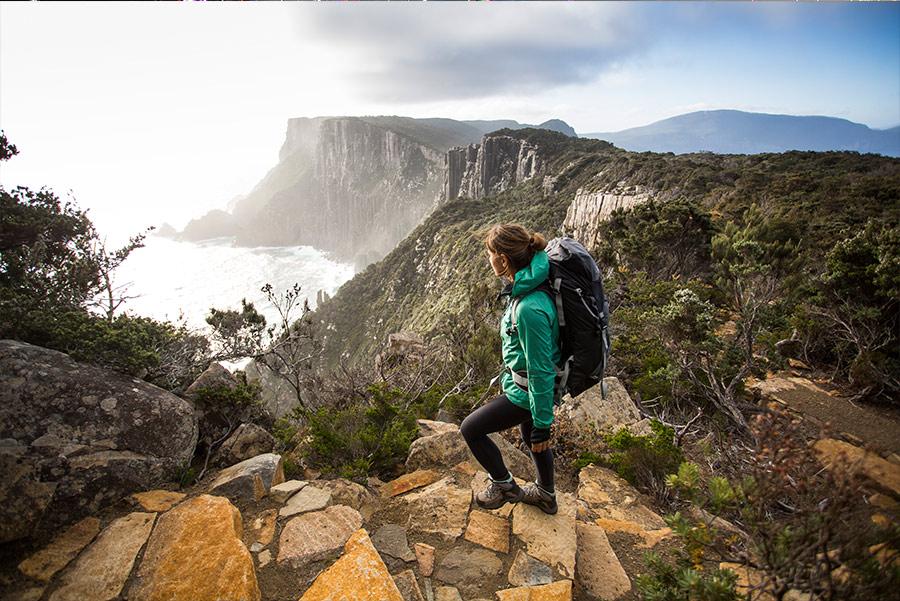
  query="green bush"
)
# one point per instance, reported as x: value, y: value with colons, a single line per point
x: 643, y: 460
x: 683, y: 582
x: 360, y: 439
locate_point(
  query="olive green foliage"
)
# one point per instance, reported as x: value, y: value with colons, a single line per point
x: 683, y: 582
x: 643, y: 460
x: 361, y: 438
x: 664, y: 240
x: 851, y: 317
x: 757, y: 266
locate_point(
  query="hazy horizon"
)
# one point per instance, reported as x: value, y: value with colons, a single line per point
x: 162, y: 112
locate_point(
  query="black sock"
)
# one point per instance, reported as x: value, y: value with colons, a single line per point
x: 548, y: 489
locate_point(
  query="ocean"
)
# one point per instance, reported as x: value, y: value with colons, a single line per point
x: 168, y: 277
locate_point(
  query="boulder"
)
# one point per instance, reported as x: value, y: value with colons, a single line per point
x: 391, y: 540
x: 448, y: 447
x: 198, y: 538
x: 315, y: 535
x: 158, y: 500
x: 615, y: 411
x: 248, y: 441
x: 250, y: 479
x: 528, y: 571
x: 100, y: 572
x: 607, y: 496
x: 284, y: 491
x: 488, y: 530
x: 75, y: 437
x: 427, y: 427
x: 359, y: 574
x: 347, y: 492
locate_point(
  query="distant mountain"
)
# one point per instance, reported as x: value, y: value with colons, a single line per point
x: 739, y: 132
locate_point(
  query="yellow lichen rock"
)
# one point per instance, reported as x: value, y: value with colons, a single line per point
x: 195, y: 554
x: 358, y: 575
x: 560, y: 590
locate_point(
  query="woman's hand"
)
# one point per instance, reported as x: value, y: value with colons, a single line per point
x: 540, y: 439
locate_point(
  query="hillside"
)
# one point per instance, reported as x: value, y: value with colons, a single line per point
x: 739, y: 132
x: 574, y: 184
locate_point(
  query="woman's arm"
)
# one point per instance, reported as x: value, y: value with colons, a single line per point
x: 535, y: 335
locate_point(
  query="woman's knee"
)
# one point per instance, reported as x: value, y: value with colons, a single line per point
x: 469, y: 428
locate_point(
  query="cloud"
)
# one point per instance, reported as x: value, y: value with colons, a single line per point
x: 421, y: 52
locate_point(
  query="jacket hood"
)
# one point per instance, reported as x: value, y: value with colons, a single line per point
x: 534, y: 275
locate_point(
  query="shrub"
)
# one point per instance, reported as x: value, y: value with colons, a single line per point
x: 359, y: 439
x: 644, y: 460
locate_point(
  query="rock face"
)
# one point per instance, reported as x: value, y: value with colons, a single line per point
x: 76, y: 437
x: 497, y: 163
x: 249, y: 440
x: 250, y: 479
x: 591, y: 208
x: 100, y: 572
x: 347, y: 185
x: 276, y: 395
x: 198, y: 538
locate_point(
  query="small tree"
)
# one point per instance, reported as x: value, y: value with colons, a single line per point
x: 756, y: 266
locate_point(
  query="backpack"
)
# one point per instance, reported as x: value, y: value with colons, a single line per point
x: 576, y: 286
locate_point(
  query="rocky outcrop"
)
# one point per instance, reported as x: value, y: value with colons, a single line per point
x: 590, y: 208
x: 497, y: 163
x: 76, y: 437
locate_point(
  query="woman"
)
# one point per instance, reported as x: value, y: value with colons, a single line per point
x: 532, y: 347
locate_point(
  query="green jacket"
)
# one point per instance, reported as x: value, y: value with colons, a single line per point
x: 535, y: 347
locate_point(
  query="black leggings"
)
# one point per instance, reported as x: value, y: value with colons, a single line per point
x: 499, y: 414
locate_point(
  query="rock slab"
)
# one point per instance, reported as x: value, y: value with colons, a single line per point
x: 101, y: 571
x: 310, y: 498
x: 440, y: 508
x: 549, y: 538
x: 44, y: 564
x: 315, y: 535
x: 198, y: 538
x: 597, y: 568
x: 359, y: 574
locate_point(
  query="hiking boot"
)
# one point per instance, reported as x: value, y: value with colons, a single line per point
x: 498, y: 493
x: 537, y: 496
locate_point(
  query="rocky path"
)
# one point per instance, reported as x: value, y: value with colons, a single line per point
x: 246, y: 534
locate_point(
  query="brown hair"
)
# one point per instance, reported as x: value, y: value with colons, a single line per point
x: 514, y: 241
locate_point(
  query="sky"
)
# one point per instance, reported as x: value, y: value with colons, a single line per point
x: 145, y: 113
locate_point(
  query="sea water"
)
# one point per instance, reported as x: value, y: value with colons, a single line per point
x: 168, y: 278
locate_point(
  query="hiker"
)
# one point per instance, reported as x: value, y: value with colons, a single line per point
x: 532, y: 346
